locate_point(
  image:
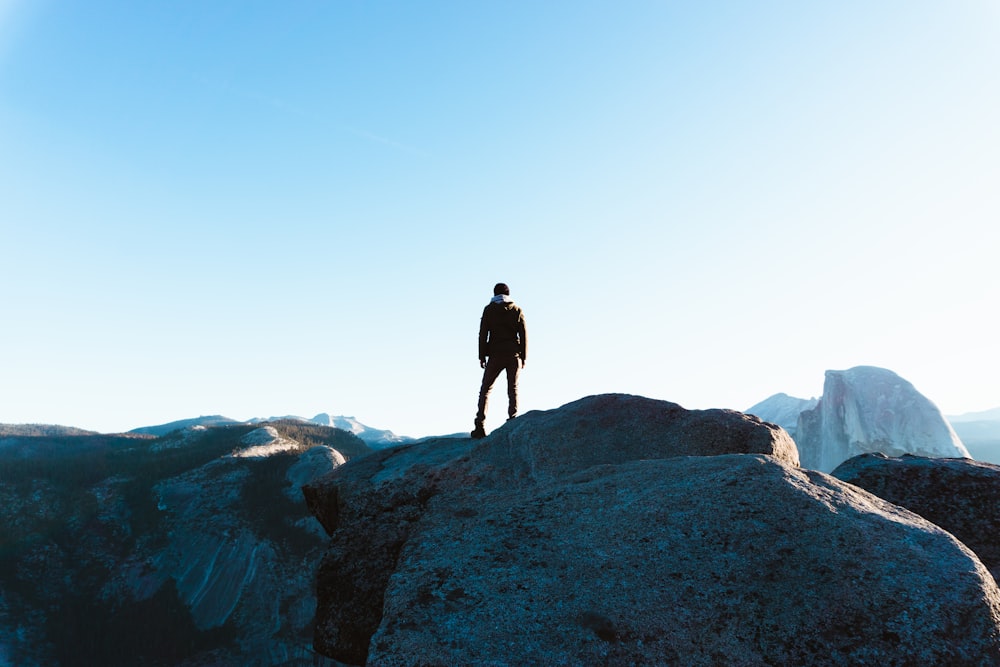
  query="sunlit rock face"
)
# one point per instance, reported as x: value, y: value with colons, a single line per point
x: 960, y: 495
x: 620, y: 530
x: 865, y: 410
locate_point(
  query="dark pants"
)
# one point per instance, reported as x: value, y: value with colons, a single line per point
x: 494, y: 365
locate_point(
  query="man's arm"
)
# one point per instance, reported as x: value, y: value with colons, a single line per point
x: 523, y: 335
x: 483, y: 344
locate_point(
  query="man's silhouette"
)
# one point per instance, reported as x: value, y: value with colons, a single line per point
x: 503, y: 346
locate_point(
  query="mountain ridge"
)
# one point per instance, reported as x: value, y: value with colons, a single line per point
x: 375, y: 437
x: 41, y: 430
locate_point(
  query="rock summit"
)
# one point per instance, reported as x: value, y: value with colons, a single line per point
x: 623, y: 530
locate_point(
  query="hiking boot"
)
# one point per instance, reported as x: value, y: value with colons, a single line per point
x: 479, y: 433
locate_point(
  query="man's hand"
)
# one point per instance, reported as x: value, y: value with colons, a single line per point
x: 523, y: 362
x: 482, y: 363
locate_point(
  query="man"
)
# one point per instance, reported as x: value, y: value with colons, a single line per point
x: 503, y: 346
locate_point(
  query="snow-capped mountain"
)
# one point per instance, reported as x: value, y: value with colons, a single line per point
x: 373, y: 437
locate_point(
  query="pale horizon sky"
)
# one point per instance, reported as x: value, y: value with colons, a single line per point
x: 256, y: 208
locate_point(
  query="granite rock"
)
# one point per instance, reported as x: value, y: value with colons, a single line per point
x: 621, y: 530
x: 960, y: 495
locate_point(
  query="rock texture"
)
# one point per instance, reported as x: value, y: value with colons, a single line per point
x: 865, y: 410
x: 620, y: 530
x: 194, y: 548
x: 960, y: 495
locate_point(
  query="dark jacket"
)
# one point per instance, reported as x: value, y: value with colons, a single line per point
x: 502, y: 331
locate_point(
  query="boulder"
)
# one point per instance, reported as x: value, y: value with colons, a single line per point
x: 726, y: 560
x: 960, y: 495
x: 613, y: 428
x: 620, y: 530
x: 865, y: 410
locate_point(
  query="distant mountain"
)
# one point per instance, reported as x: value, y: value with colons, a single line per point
x: 377, y: 438
x: 373, y: 437
x: 984, y: 415
x: 865, y: 410
x: 190, y: 548
x: 873, y: 409
x: 35, y: 430
x: 980, y: 431
x: 163, y: 429
x: 783, y: 410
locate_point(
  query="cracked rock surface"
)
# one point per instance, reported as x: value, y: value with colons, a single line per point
x: 622, y: 530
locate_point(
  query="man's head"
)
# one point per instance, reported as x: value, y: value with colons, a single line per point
x: 501, y: 288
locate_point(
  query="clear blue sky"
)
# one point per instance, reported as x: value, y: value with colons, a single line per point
x: 267, y: 208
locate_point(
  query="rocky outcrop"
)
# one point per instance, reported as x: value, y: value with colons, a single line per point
x: 960, y: 495
x: 620, y: 530
x: 866, y: 410
x: 193, y: 548
x: 227, y: 562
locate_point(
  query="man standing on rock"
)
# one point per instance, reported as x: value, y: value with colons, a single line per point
x: 503, y: 340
